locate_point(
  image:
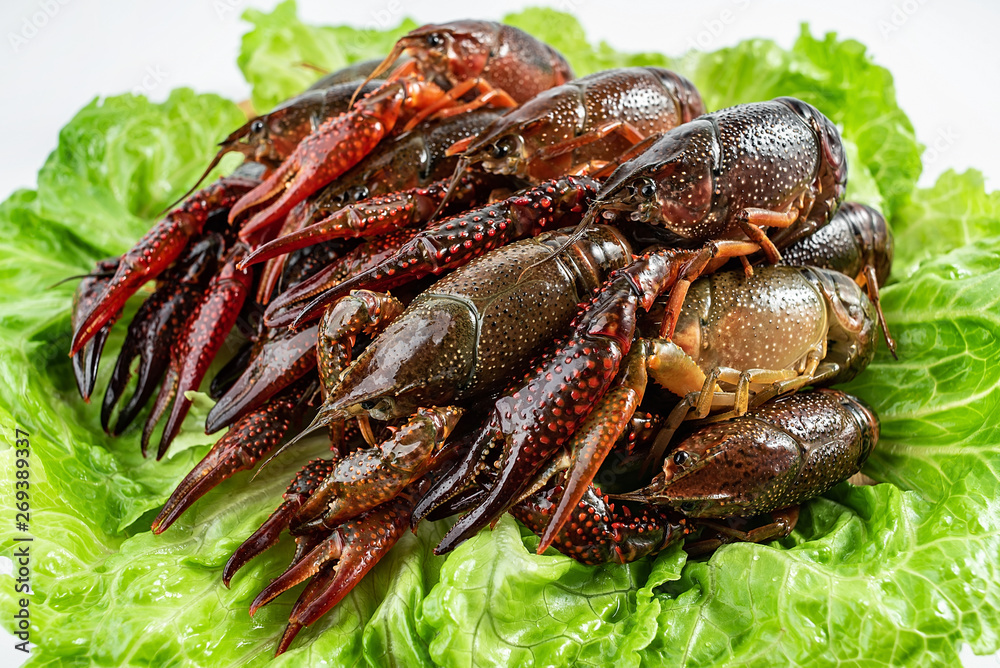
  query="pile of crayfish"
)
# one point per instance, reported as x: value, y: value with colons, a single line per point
x: 551, y: 244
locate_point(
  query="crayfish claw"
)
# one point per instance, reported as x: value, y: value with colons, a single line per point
x: 265, y: 537
x: 291, y: 630
x: 157, y: 250
x: 360, y: 543
x: 87, y: 296
x: 327, y: 551
x: 87, y: 361
x: 155, y: 328
x: 281, y: 358
x: 371, y: 476
x: 597, y: 435
x: 244, y: 444
x: 207, y: 328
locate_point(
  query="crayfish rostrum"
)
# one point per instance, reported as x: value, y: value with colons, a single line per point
x: 552, y: 246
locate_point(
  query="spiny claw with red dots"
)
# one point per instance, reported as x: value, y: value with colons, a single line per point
x: 595, y: 438
x: 336, y: 146
x: 305, y: 483
x: 535, y: 417
x: 355, y: 547
x: 250, y: 439
x: 285, y: 308
x: 456, y: 241
x: 155, y: 328
x: 156, y: 251
x: 371, y: 476
x: 373, y: 217
x: 205, y: 332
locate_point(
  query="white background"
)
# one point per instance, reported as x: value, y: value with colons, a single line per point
x: 57, y: 55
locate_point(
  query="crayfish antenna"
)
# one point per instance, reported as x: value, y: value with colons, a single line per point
x: 322, y: 419
x: 93, y: 274
x: 397, y: 51
x: 211, y: 165
x: 456, y: 177
x: 577, y: 234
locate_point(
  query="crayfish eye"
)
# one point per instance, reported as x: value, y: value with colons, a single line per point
x: 435, y: 41
x: 681, y: 458
x: 257, y: 126
x: 647, y: 189
x: 357, y: 193
x: 501, y: 149
x: 687, y: 506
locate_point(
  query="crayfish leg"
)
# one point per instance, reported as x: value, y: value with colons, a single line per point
x: 782, y: 523
x: 869, y: 281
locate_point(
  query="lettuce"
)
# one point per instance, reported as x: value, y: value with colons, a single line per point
x: 901, y: 573
x: 282, y: 56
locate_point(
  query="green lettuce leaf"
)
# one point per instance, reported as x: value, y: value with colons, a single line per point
x: 956, y: 212
x: 282, y: 56
x: 121, y: 160
x: 901, y: 573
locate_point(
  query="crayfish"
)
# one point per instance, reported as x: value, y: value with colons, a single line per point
x: 551, y: 245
